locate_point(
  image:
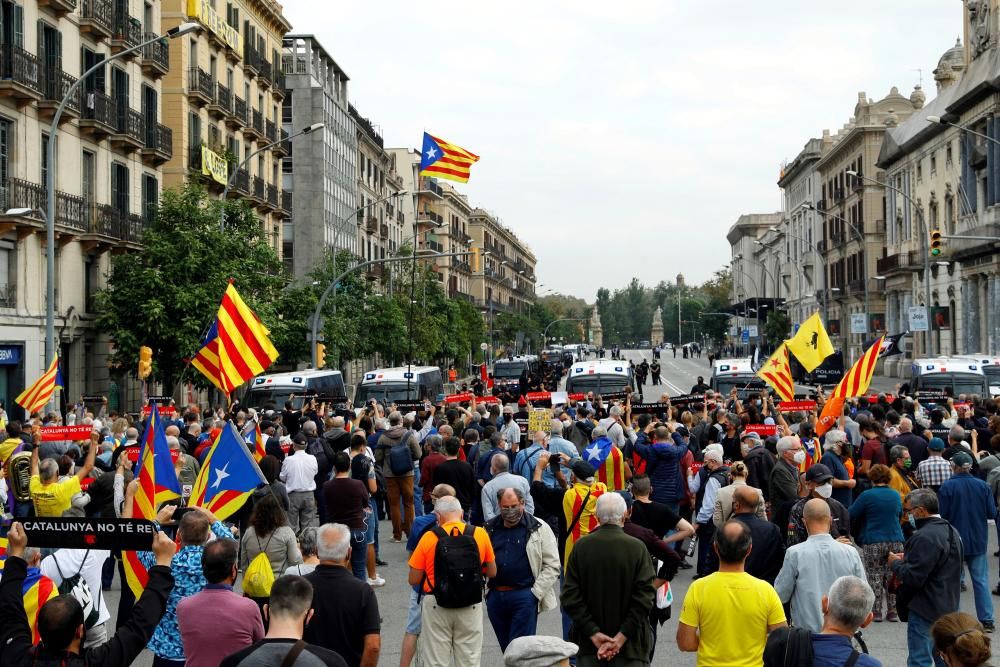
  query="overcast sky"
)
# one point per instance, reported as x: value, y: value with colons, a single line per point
x: 623, y: 139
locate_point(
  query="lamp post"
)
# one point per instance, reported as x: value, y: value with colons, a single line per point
x: 819, y: 260
x: 926, y: 248
x: 756, y: 298
x: 545, y: 332
x: 962, y: 128
x: 246, y: 160
x: 50, y: 183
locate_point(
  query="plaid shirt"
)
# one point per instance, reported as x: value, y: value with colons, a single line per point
x: 934, y: 471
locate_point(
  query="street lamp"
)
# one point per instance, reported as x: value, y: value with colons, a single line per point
x: 940, y: 121
x: 926, y: 247
x: 246, y: 160
x: 50, y: 183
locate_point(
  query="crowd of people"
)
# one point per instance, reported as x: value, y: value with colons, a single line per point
x: 795, y: 542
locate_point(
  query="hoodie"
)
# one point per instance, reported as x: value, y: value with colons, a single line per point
x: 391, y: 437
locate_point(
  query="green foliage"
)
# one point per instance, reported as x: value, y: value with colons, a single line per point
x: 167, y: 295
x: 777, y: 327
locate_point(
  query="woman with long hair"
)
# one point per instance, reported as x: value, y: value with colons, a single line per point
x: 270, y: 533
x: 879, y: 510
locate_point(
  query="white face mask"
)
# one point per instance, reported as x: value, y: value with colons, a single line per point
x: 799, y: 457
x: 824, y: 490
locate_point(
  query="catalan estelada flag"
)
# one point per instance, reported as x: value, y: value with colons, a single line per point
x: 36, y: 590
x: 255, y: 440
x: 608, y: 462
x: 811, y: 344
x: 440, y: 159
x: 581, y: 500
x: 854, y: 383
x: 244, y: 348
x: 777, y: 373
x: 157, y: 484
x: 228, y: 476
x: 206, y: 359
x: 36, y: 397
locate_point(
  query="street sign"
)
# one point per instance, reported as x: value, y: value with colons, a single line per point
x: 753, y: 330
x: 746, y: 335
x: 795, y: 328
x: 858, y: 323
x: 484, y: 346
x: 918, y: 318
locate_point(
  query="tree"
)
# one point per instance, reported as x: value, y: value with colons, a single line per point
x: 166, y: 295
x: 777, y: 328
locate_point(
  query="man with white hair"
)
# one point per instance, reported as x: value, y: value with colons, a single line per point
x: 345, y: 610
x: 50, y: 496
x: 559, y: 445
x: 503, y: 479
x: 705, y: 490
x: 186, y: 466
x: 608, y: 591
x: 784, y: 481
x: 617, y: 430
x: 835, y: 449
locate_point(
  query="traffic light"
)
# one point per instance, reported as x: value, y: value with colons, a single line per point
x: 145, y: 362
x: 936, y: 243
x: 476, y: 259
x: 320, y: 355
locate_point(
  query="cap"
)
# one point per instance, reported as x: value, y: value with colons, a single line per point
x: 628, y: 498
x: 538, y: 651
x: 937, y: 444
x: 750, y: 435
x: 682, y: 431
x: 582, y: 470
x: 818, y: 473
x: 962, y: 460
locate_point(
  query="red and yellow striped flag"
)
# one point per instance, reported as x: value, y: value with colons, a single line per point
x: 854, y: 383
x: 777, y: 373
x: 36, y: 590
x: 244, y: 347
x: 36, y: 397
x: 573, y: 505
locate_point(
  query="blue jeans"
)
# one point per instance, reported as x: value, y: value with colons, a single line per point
x: 512, y: 614
x: 359, y: 552
x: 979, y: 573
x: 418, y: 506
x: 919, y: 645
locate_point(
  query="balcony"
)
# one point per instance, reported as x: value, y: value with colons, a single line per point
x: 201, y: 87
x: 856, y: 286
x: 110, y: 224
x: 899, y: 262
x: 20, y: 74
x: 272, y: 197
x: 56, y: 84
x: 127, y: 33
x: 375, y: 271
x: 221, y: 104
x: 155, y: 57
x: 238, y: 118
x: 282, y: 148
x: 96, y: 18
x: 130, y: 135
x: 286, y: 202
x: 258, y: 191
x: 100, y: 115
x: 429, y: 217
x: 71, y: 211
x: 278, y: 89
x: 371, y: 224
x: 270, y: 131
x: 8, y: 295
x: 59, y: 7
x: 19, y: 193
x: 383, y: 231
x: 460, y: 264
x: 264, y: 74
x: 251, y: 60
x: 836, y: 238
x: 431, y: 188
x: 838, y: 195
x: 255, y: 128
x: 241, y: 184
x: 158, y: 146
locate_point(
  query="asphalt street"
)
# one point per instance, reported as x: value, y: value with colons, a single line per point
x: 886, y: 641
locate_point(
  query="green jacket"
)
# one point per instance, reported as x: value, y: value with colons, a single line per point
x: 609, y: 588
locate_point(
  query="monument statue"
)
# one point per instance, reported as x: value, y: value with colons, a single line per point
x: 656, y: 336
x: 596, y: 330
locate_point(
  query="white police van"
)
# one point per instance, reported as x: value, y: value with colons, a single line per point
x: 602, y: 376
x: 991, y: 369
x: 404, y: 383
x: 738, y: 374
x: 273, y: 390
x: 954, y: 375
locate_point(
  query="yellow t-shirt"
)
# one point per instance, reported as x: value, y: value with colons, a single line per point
x: 731, y: 611
x: 7, y: 448
x: 53, y: 499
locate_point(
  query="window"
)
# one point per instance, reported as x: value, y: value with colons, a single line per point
x: 286, y: 109
x: 119, y: 188
x: 150, y: 196
x: 49, y: 47
x: 214, y: 138
x: 920, y: 169
x: 934, y: 162
x: 6, y: 136
x: 194, y: 128
x: 88, y: 186
x: 95, y: 83
x: 90, y: 282
x: 233, y: 15
x: 947, y: 154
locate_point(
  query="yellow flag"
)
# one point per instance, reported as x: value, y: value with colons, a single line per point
x: 811, y: 345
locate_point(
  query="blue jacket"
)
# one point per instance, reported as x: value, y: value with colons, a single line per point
x: 878, y: 511
x: 967, y: 503
x: 663, y: 467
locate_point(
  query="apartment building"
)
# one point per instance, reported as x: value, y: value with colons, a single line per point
x: 110, y: 148
x: 320, y: 176
x: 507, y: 279
x: 223, y: 98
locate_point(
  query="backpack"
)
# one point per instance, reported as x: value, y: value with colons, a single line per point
x: 316, y: 448
x: 523, y: 460
x: 259, y: 577
x: 400, y: 456
x: 77, y: 586
x: 458, y: 571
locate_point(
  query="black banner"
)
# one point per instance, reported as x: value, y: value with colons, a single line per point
x: 684, y: 400
x: 650, y: 408
x: 161, y: 400
x: 930, y: 395
x: 84, y: 533
x: 615, y: 396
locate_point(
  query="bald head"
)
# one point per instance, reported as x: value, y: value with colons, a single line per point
x: 745, y: 499
x: 817, y: 516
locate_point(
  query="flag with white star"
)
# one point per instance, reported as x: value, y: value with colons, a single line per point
x: 228, y: 476
x: 440, y: 159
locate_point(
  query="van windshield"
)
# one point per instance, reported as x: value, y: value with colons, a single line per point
x: 744, y: 385
x: 387, y: 392
x: 599, y: 384
x: 509, y: 370
x: 273, y: 398
x: 961, y: 383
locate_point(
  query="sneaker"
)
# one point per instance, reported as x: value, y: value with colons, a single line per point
x: 381, y: 563
x: 989, y: 626
x: 684, y: 565
x: 377, y: 582
x: 396, y: 540
x: 892, y: 616
x: 877, y: 617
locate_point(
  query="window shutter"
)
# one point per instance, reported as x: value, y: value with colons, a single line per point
x: 19, y: 26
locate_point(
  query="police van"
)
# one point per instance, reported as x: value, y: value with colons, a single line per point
x: 405, y: 383
x: 991, y: 369
x: 270, y: 392
x: 602, y: 376
x: 738, y: 374
x: 952, y: 375
x: 507, y: 373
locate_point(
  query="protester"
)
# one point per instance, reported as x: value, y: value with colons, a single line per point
x: 347, y: 503
x: 727, y: 615
x: 810, y: 567
x: 961, y: 641
x: 608, y: 591
x: 930, y: 568
x: 457, y: 474
x: 935, y: 470
x: 452, y: 618
x: 758, y: 460
x: 662, y: 459
x: 967, y: 503
x: 768, y: 552
x: 539, y: 651
x: 717, y: 476
x: 835, y: 449
x: 723, y: 509
x: 61, y: 621
x: 433, y: 457
x: 86, y: 563
x: 784, y: 480
x: 206, y: 641
x: 270, y: 534
x: 52, y: 497
x: 818, y: 482
x: 501, y: 479
x: 288, y: 613
x: 527, y: 559
x: 579, y: 503
x: 345, y: 615
x: 391, y: 456
x: 879, y: 511
x: 310, y: 555
x: 901, y: 479
x: 298, y: 472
